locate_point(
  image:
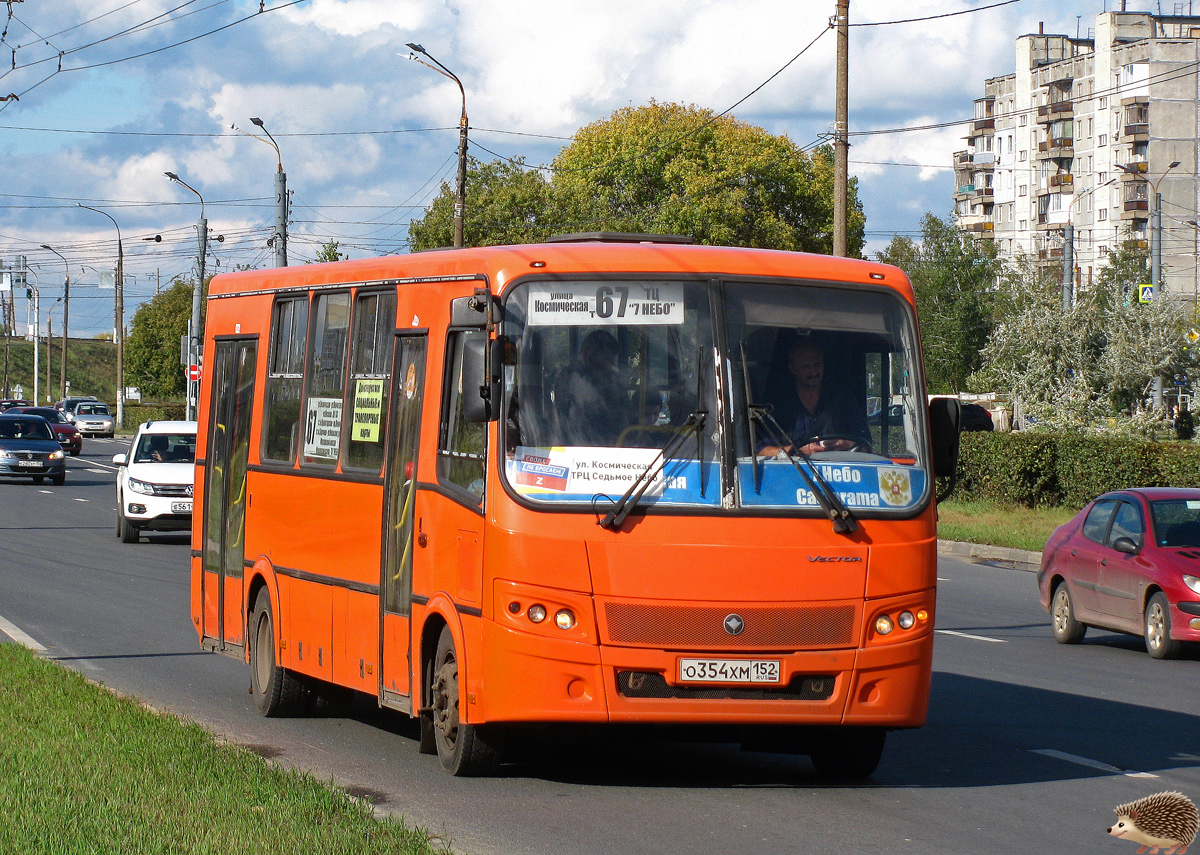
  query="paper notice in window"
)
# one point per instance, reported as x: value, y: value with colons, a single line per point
x: 615, y: 304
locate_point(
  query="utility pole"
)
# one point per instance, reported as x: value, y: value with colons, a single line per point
x: 1068, y: 267
x: 62, y: 357
x: 193, y: 386
x: 279, y: 240
x: 841, y: 141
x: 460, y: 193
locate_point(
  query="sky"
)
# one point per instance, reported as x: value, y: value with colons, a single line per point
x: 111, y: 94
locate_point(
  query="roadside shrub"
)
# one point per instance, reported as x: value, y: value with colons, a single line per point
x: 136, y: 414
x: 1046, y: 469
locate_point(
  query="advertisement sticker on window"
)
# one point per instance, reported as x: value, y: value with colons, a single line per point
x: 323, y: 428
x: 592, y: 304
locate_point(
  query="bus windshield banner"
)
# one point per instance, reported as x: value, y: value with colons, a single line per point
x: 858, y: 485
x: 592, y: 304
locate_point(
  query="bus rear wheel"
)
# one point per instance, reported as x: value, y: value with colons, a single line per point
x: 277, y: 691
x: 848, y: 753
x: 464, y: 750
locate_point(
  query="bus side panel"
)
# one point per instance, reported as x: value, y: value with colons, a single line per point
x: 356, y: 642
x: 310, y: 619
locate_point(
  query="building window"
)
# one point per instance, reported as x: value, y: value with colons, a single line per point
x: 1023, y: 225
x: 1103, y: 214
x: 1103, y: 102
x: 1104, y: 139
x: 1024, y: 190
x: 1024, y: 119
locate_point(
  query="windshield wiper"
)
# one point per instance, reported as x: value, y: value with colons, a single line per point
x: 621, y: 508
x: 843, y: 521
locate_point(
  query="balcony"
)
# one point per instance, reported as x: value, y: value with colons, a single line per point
x: 1050, y: 253
x: 1056, y: 147
x: 1058, y: 110
x: 1134, y: 244
x: 983, y: 126
x: 976, y: 223
x: 1135, y: 209
x: 1063, y: 181
x: 964, y: 191
x: 962, y: 158
x: 978, y: 192
x: 1137, y: 132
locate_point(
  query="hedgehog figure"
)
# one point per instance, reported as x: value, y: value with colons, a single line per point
x: 1164, y: 820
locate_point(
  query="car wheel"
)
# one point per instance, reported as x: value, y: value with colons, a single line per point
x: 465, y: 750
x: 849, y: 753
x: 58, y: 480
x: 75, y: 452
x: 1157, y: 619
x: 277, y: 690
x: 1067, y: 630
x: 126, y: 530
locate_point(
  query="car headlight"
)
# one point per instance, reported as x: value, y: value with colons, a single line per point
x: 1192, y: 582
x: 141, y: 487
x: 56, y: 455
x: 7, y: 455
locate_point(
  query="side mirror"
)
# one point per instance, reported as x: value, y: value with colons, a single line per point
x: 1126, y: 545
x: 945, y: 425
x: 119, y: 459
x: 481, y: 361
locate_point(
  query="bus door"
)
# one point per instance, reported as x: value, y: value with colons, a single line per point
x: 400, y: 491
x: 225, y: 491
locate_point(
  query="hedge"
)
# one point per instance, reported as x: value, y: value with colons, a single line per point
x: 1033, y: 469
x: 135, y: 414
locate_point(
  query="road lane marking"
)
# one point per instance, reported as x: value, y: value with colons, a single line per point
x: 82, y: 500
x: 975, y: 637
x: 20, y: 636
x: 1091, y: 764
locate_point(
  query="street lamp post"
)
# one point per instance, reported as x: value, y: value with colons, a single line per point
x: 1155, y: 252
x: 193, y: 386
x: 62, y: 379
x: 49, y: 339
x: 1068, y: 262
x: 279, y: 240
x: 118, y: 318
x: 460, y: 196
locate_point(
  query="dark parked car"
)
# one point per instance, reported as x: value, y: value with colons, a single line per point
x: 1130, y: 562
x: 66, y: 433
x: 9, y: 403
x: 975, y: 417
x: 28, y: 449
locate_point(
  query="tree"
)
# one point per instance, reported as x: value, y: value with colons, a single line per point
x: 507, y: 204
x: 152, y: 348
x: 670, y: 168
x: 328, y: 252
x: 955, y: 279
x: 662, y: 168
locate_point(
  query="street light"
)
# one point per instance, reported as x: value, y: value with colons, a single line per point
x: 62, y: 379
x: 49, y: 338
x: 279, y: 240
x: 118, y: 318
x: 1068, y: 263
x: 460, y: 196
x: 194, y: 337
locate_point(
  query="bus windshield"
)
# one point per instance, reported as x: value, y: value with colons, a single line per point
x: 788, y: 383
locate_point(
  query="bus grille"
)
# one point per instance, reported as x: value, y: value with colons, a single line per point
x: 703, y: 627
x: 640, y: 684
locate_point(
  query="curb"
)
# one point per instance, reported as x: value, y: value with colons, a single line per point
x: 1021, y: 559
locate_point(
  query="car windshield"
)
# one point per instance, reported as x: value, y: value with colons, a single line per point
x: 166, y: 448
x: 25, y: 429
x: 92, y: 410
x: 601, y: 375
x: 50, y: 415
x: 1176, y: 521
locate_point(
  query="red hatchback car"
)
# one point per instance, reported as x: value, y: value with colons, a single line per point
x: 1130, y: 562
x: 66, y: 433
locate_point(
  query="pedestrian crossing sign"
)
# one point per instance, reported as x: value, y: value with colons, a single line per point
x: 1146, y: 293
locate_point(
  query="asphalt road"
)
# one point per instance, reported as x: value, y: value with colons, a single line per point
x: 1029, y: 744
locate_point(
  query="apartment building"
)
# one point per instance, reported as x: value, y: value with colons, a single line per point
x: 1089, y: 131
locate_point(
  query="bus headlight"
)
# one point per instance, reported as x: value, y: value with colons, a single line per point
x: 564, y: 619
x: 883, y: 625
x: 906, y: 620
x: 537, y: 613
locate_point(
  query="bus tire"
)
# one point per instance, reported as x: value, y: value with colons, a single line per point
x: 465, y: 750
x: 848, y: 753
x: 277, y: 691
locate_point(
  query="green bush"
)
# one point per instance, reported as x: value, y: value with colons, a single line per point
x: 1047, y: 470
x: 136, y: 414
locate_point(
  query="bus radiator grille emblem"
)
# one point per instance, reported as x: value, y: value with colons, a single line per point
x: 734, y: 624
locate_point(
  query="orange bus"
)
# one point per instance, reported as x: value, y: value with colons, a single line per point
x: 564, y: 483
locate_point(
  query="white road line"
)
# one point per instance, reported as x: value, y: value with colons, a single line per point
x: 975, y: 637
x: 99, y: 471
x: 82, y: 500
x: 1091, y: 764
x: 20, y: 636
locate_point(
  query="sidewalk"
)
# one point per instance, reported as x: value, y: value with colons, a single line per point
x: 1019, y: 558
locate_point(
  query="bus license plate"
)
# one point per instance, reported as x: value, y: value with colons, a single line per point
x: 729, y: 670
x: 181, y: 507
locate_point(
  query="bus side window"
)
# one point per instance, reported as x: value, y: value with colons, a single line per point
x: 462, y: 445
x: 281, y: 416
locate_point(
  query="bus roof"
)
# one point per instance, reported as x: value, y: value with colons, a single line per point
x: 502, y: 264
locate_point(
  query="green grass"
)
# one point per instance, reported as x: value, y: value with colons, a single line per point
x: 91, y: 367
x: 984, y: 522
x: 82, y: 770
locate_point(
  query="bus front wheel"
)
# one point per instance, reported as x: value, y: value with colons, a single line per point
x: 848, y: 753
x: 277, y: 691
x: 463, y: 749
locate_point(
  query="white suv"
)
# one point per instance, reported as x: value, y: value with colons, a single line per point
x: 154, y: 480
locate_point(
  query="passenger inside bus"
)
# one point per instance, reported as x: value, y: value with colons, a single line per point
x: 813, y: 413
x: 592, y: 401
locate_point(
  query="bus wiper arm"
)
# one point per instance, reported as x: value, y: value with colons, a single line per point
x: 843, y: 521
x: 615, y: 517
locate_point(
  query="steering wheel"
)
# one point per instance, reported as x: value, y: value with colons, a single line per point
x: 860, y: 443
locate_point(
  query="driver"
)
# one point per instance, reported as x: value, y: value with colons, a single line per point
x: 809, y: 411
